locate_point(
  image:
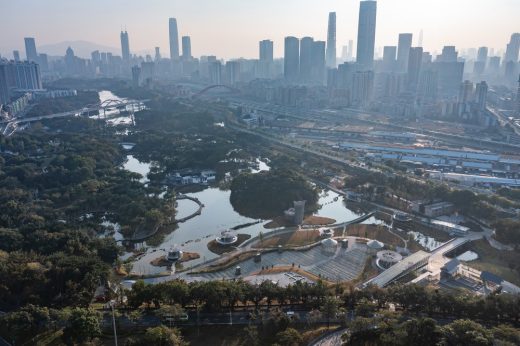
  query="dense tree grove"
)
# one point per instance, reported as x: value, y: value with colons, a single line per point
x: 64, y: 104
x: 55, y: 190
x: 267, y: 194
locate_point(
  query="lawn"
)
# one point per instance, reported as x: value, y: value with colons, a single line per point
x: 495, y: 261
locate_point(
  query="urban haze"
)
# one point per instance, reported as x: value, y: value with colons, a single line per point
x: 260, y: 172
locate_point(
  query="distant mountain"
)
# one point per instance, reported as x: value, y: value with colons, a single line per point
x: 81, y: 48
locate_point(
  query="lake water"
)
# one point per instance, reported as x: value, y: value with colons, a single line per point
x: 218, y: 215
x: 112, y: 111
x: 134, y: 165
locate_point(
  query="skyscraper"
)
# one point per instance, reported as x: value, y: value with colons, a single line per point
x: 366, y: 34
x: 389, y: 58
x: 125, y: 46
x: 518, y: 98
x: 403, y: 51
x: 266, y: 50
x: 331, y: 41
x: 513, y: 49
x: 414, y: 67
x: 318, y: 62
x: 480, y: 64
x: 265, y: 61
x: 306, y: 55
x: 291, y: 58
x: 30, y: 49
x: 481, y: 92
x: 157, y: 53
x: 186, y: 47
x: 16, y: 55
x: 450, y: 72
x: 174, y: 39
x: 5, y: 94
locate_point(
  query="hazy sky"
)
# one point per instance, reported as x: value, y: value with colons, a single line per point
x: 232, y: 28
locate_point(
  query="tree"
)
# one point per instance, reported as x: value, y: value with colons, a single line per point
x: 289, y: 337
x: 466, y: 332
x: 329, y: 309
x: 163, y: 336
x: 423, y: 332
x: 83, y: 325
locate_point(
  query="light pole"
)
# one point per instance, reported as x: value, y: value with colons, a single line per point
x: 112, y: 304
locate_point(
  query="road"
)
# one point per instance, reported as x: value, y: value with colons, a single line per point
x: 211, y: 318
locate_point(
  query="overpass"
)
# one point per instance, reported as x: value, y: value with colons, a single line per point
x: 215, y: 86
x: 12, y: 125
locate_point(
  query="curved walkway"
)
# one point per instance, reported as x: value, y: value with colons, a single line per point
x: 333, y: 339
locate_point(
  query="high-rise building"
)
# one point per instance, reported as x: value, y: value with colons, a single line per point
x: 215, y: 72
x: 22, y: 75
x: 5, y: 94
x: 266, y: 50
x: 157, y: 53
x: 136, y: 76
x: 30, y: 49
x: 480, y: 63
x: 125, y: 46
x: 362, y: 88
x: 513, y: 49
x: 318, y: 62
x: 449, y: 54
x: 16, y: 55
x: 366, y: 34
x: 174, y: 39
x: 43, y: 60
x: 265, y: 60
x: 350, y: 50
x: 450, y: 72
x: 428, y: 85
x: 494, y: 64
x: 403, y: 51
x: 306, y: 58
x: 95, y: 56
x: 389, y: 58
x: 291, y: 58
x: 232, y: 72
x: 186, y: 47
x: 466, y: 92
x: 414, y: 67
x: 481, y: 92
x: 518, y: 98
x: 331, y: 41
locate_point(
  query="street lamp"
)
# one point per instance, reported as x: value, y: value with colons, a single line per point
x: 112, y: 306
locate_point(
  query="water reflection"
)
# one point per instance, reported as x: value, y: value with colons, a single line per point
x: 218, y: 215
x: 134, y: 165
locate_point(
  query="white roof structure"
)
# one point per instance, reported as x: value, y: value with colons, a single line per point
x: 376, y: 245
x: 398, y: 270
x: 329, y: 242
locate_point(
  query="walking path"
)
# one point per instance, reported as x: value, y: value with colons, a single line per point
x: 333, y: 339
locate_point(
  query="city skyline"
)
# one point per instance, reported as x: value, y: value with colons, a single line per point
x: 147, y: 24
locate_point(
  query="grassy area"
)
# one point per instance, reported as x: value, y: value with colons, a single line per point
x: 495, y: 261
x: 312, y: 220
x: 297, y: 238
x: 380, y: 233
